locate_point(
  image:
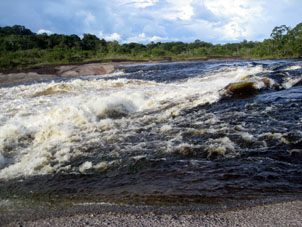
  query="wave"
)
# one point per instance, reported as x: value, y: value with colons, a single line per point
x: 99, y: 123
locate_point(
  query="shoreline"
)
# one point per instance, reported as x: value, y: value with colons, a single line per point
x: 10, y: 78
x: 286, y: 213
x: 48, y: 72
x: 51, y: 67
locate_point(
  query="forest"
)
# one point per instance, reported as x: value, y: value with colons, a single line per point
x: 21, y: 48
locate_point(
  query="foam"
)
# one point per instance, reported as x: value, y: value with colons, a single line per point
x: 246, y: 136
x: 111, y: 107
x: 185, y: 149
x: 294, y: 67
x: 290, y: 82
x: 165, y: 128
x: 101, y: 166
x: 276, y: 136
x: 85, y: 166
x: 221, y: 146
x: 52, y: 136
x: 44, y: 127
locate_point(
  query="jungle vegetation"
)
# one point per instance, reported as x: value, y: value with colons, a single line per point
x: 21, y: 48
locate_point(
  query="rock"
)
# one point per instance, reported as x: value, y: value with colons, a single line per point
x: 241, y: 89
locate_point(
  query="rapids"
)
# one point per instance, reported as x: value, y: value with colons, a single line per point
x: 170, y: 130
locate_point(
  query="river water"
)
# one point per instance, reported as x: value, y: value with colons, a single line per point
x: 168, y: 133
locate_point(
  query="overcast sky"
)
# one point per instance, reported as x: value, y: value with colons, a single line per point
x: 216, y: 21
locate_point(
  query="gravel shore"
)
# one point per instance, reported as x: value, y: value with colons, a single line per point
x: 279, y: 214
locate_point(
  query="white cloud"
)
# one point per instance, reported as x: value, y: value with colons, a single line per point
x: 110, y: 37
x: 41, y: 31
x: 155, y: 20
x: 89, y: 18
x: 236, y: 17
x: 113, y: 36
x: 142, y: 38
x: 183, y: 9
x: 232, y: 31
x: 140, y: 3
x: 175, y: 10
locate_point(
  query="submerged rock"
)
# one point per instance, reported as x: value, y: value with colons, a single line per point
x: 242, y: 89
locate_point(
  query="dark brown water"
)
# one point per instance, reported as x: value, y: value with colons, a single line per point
x: 161, y: 134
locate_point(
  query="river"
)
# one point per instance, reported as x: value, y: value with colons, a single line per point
x: 166, y: 133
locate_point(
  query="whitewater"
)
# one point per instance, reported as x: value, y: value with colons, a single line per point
x: 167, y: 130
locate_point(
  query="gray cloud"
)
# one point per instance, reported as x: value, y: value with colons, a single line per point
x: 162, y: 19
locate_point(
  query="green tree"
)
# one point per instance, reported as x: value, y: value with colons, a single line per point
x: 89, y: 42
x: 295, y: 37
x: 158, y: 52
x: 280, y: 38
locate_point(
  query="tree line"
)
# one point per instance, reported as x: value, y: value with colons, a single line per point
x: 21, y: 48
